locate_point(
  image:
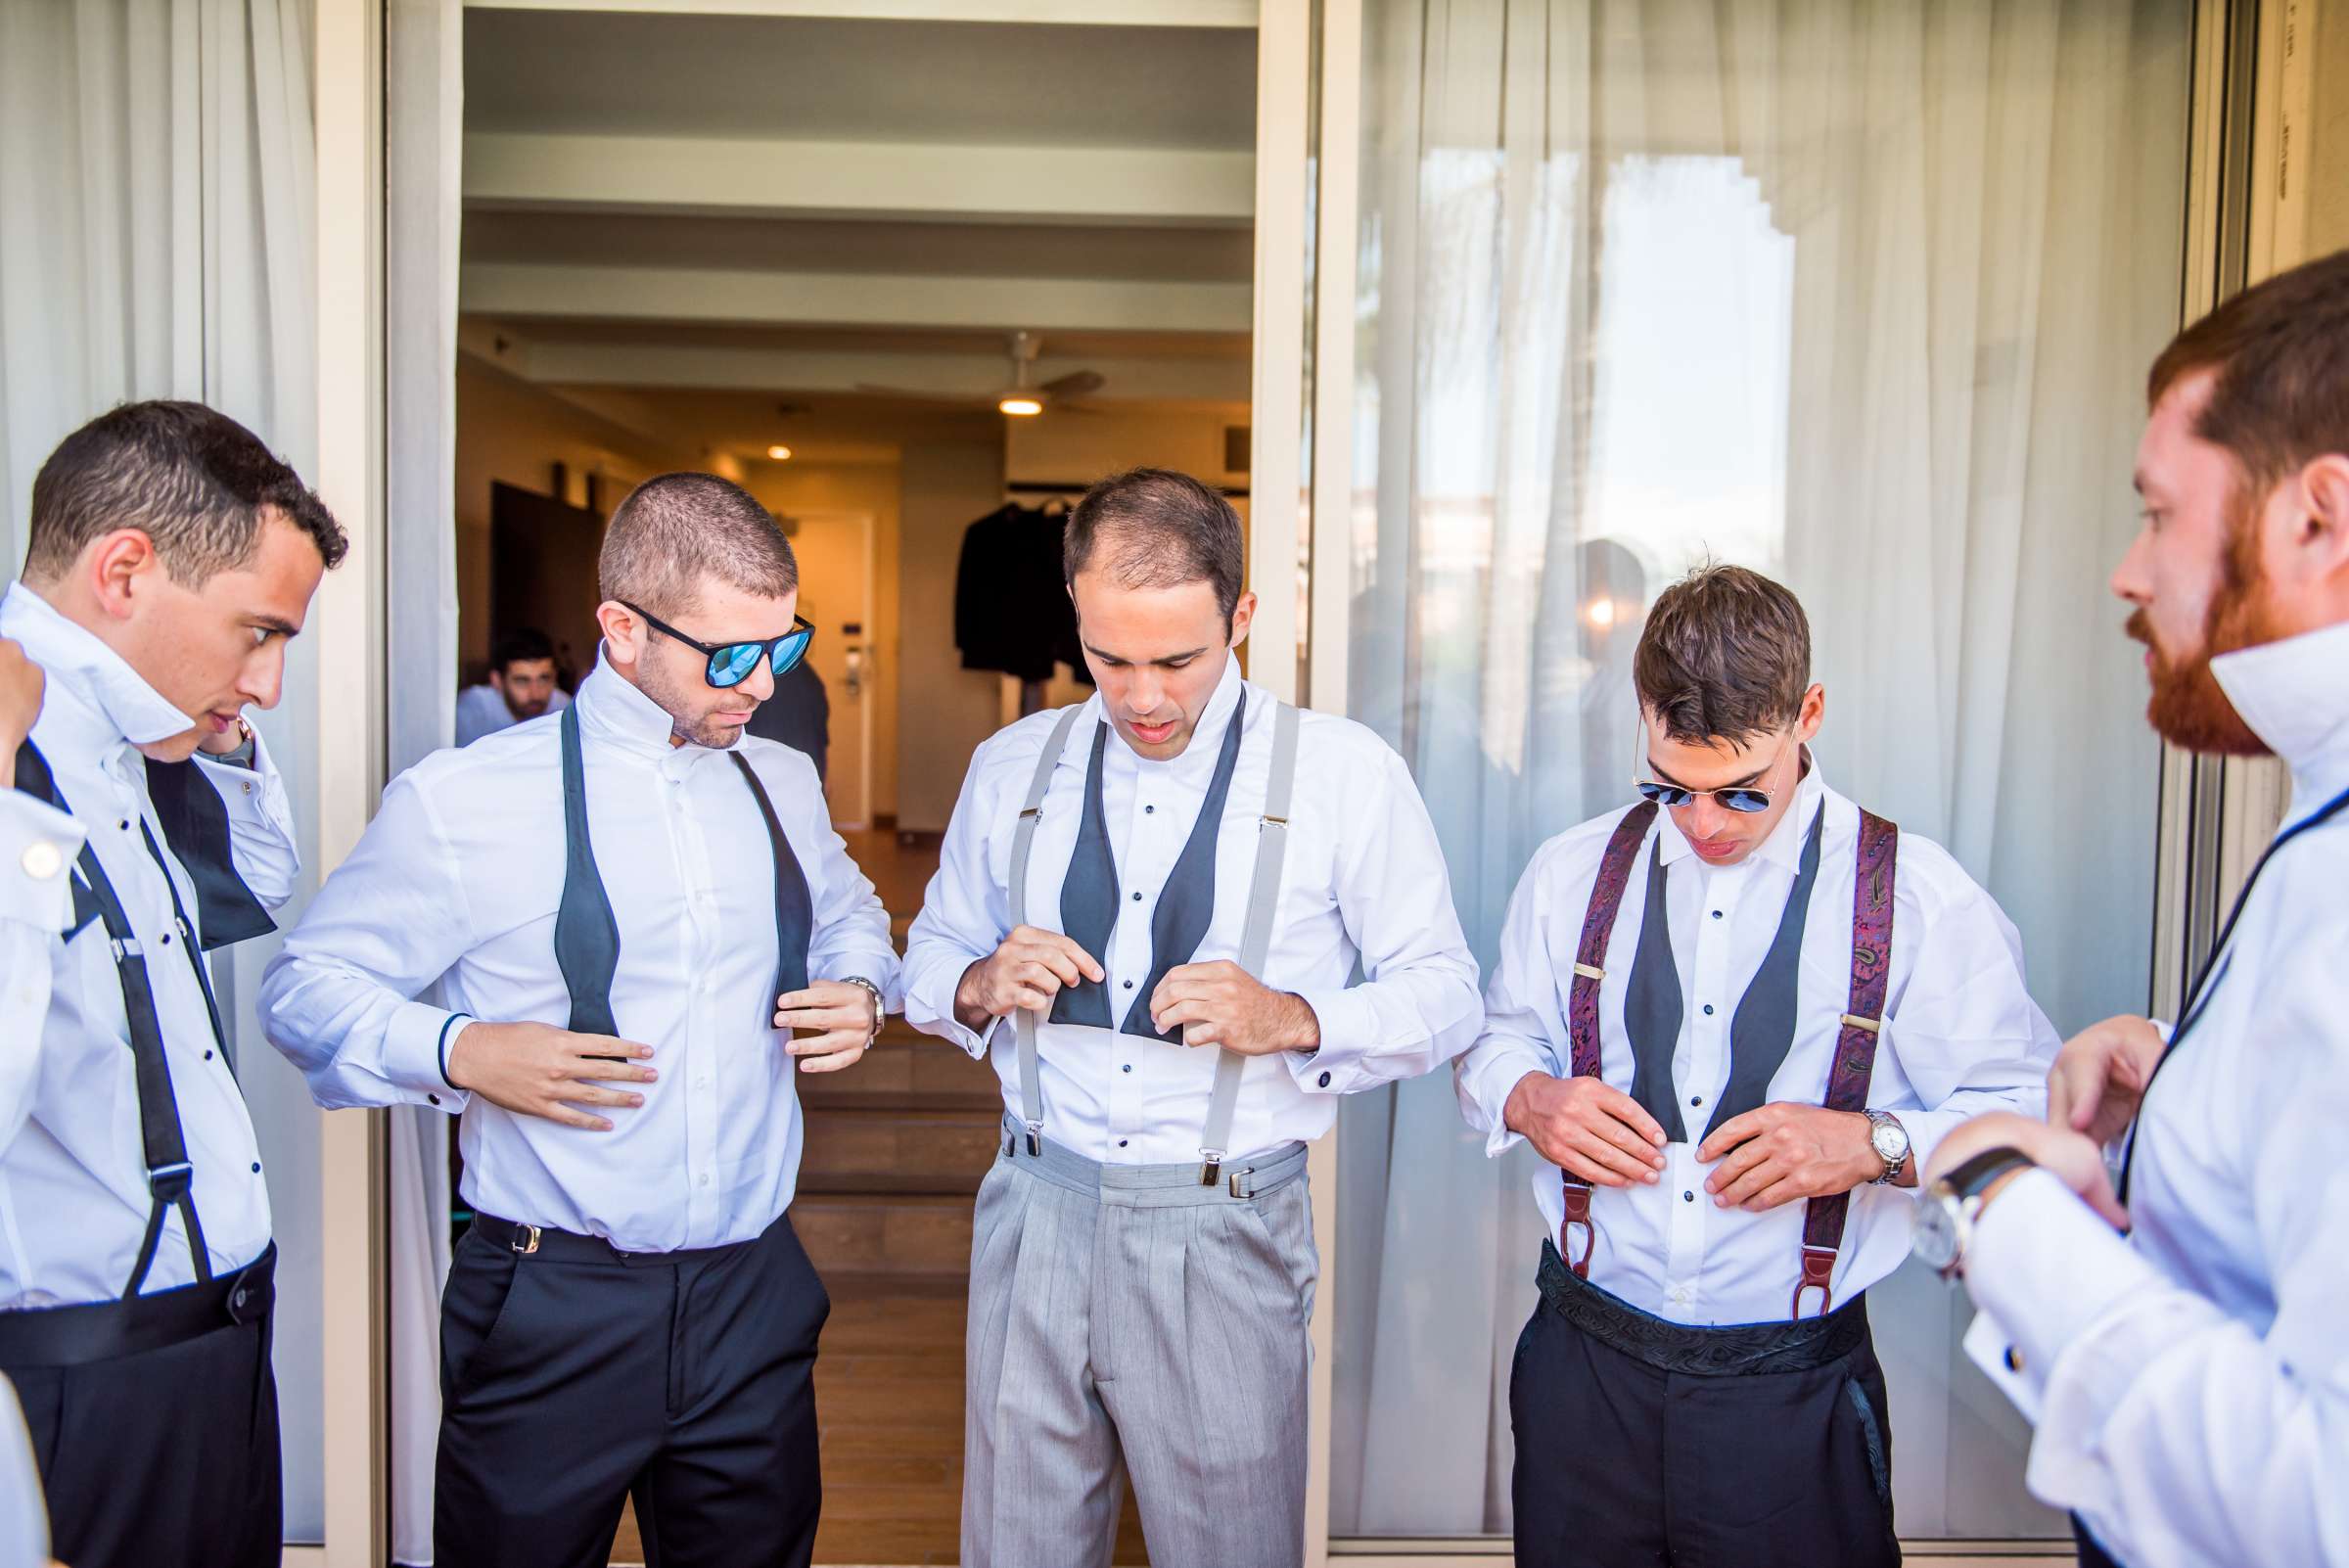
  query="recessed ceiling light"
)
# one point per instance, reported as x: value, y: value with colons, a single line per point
x: 781, y: 454
x: 1020, y: 407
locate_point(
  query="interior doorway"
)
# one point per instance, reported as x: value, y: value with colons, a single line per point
x: 835, y: 551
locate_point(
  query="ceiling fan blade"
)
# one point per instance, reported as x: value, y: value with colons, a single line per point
x: 1075, y: 383
x: 918, y: 395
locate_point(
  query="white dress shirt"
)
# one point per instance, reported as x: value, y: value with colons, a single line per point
x: 461, y: 875
x: 2190, y: 1381
x: 482, y: 710
x: 1960, y: 1037
x: 73, y: 1198
x: 1363, y: 882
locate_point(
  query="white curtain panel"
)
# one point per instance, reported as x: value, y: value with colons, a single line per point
x: 157, y: 173
x: 424, y: 125
x: 1856, y: 291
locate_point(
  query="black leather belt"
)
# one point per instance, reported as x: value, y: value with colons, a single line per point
x: 565, y: 1246
x: 103, y: 1330
x: 1736, y: 1350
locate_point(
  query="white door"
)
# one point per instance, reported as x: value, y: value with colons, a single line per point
x: 836, y: 593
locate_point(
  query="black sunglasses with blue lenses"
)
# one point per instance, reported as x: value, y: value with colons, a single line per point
x: 1742, y: 799
x: 731, y: 663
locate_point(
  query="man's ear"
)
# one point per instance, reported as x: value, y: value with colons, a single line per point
x: 1243, y: 616
x: 1811, y: 715
x: 2320, y: 534
x: 498, y: 681
x: 118, y: 566
x: 624, y: 631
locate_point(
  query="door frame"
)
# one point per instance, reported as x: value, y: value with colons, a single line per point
x: 870, y: 526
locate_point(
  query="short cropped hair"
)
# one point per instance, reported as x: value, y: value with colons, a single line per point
x: 676, y: 530
x: 1157, y: 529
x: 519, y: 646
x: 2282, y: 354
x: 194, y: 480
x: 1726, y: 656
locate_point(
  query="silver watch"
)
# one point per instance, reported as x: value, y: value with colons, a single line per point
x: 874, y: 991
x: 1945, y: 1220
x: 1890, y: 1140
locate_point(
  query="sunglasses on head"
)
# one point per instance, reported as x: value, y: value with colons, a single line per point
x: 731, y: 663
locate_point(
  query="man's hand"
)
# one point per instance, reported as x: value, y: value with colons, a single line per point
x: 1026, y: 971
x: 1780, y: 1152
x: 2100, y: 1077
x: 1591, y: 1131
x: 842, y: 1017
x: 222, y: 743
x: 2075, y: 1161
x: 539, y: 1070
x: 1223, y: 1004
x: 21, y: 686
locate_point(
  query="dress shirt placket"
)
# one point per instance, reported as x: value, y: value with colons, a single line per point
x: 1701, y: 1068
x: 681, y: 780
x: 1145, y: 860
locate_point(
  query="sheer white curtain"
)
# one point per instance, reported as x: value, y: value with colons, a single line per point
x: 1858, y: 293
x: 157, y: 193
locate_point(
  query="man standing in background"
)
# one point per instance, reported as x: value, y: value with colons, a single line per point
x: 521, y: 686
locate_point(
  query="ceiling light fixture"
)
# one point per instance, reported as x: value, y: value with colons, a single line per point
x: 1021, y: 407
x: 781, y: 454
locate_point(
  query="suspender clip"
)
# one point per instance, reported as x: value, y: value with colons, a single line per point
x: 1036, y: 1140
x: 1211, y: 1167
x: 170, y: 1182
x: 1818, y: 1274
x: 126, y: 947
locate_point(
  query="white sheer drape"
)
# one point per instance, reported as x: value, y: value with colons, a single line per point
x: 157, y: 193
x: 1858, y: 292
x: 423, y: 132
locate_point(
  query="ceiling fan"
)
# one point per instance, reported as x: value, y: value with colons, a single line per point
x: 1020, y: 398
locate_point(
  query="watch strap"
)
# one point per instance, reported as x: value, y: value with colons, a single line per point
x: 1971, y: 1177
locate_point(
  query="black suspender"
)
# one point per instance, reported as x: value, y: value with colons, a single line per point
x: 171, y: 1179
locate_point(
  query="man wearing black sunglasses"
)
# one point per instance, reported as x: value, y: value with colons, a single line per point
x: 630, y: 909
x: 1733, y: 1017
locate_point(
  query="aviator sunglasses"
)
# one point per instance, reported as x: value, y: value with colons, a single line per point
x: 1743, y: 798
x: 730, y: 662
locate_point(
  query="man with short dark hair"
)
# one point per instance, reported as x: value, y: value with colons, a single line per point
x: 2189, y: 1379
x: 1148, y: 910
x: 172, y: 559
x: 630, y: 910
x: 1732, y: 1018
x: 521, y: 686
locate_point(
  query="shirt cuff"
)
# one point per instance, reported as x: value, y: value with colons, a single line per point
x: 1484, y: 1079
x: 1347, y: 1022
x: 2043, y: 1269
x: 927, y: 995
x: 415, y: 1052
x: 39, y: 843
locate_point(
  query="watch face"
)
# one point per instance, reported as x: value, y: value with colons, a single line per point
x: 1936, y: 1237
x: 1891, y: 1143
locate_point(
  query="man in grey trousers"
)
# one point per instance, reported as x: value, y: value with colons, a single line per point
x: 1150, y: 911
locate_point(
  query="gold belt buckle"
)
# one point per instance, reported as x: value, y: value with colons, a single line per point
x: 519, y: 1245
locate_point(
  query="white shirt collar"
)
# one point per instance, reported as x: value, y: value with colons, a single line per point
x: 95, y: 700
x: 2295, y: 694
x: 613, y: 708
x: 1784, y: 846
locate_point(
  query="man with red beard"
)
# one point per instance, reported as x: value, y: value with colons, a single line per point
x: 2188, y: 1374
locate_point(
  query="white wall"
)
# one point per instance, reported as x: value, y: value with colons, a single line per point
x: 944, y: 711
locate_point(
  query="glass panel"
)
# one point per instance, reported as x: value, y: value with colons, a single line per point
x: 1861, y: 295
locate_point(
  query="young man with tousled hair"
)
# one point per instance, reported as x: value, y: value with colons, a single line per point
x: 2189, y: 1376
x: 1731, y: 1018
x: 630, y: 909
x: 171, y: 557
x: 1148, y: 912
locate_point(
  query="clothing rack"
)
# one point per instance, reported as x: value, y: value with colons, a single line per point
x: 1238, y: 492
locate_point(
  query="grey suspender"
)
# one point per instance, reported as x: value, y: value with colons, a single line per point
x: 1256, y: 939
x: 1032, y: 1095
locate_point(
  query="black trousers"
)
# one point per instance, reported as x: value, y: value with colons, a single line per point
x: 164, y: 1456
x: 1644, y: 1443
x: 576, y: 1376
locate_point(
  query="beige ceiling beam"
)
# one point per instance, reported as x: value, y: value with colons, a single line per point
x: 1129, y: 378
x: 1062, y: 13
x: 847, y: 299
x: 875, y: 180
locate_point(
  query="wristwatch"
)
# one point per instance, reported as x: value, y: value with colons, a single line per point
x: 1945, y: 1220
x: 874, y: 991
x: 1890, y: 1140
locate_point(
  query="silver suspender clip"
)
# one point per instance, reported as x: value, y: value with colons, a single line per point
x: 126, y: 947
x: 1035, y: 1139
x: 1211, y: 1169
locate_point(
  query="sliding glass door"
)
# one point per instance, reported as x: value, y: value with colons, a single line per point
x: 1859, y: 294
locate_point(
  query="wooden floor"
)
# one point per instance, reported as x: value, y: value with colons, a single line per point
x: 896, y: 1147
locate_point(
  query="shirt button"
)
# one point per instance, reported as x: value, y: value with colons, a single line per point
x: 1687, y: 1197
x: 430, y: 1099
x: 167, y: 938
x: 42, y: 860
x: 1130, y: 984
x: 1708, y: 1010
x: 246, y: 788
x: 2013, y: 1360
x: 1127, y: 1068
x: 705, y: 1178
x: 256, y: 1168
x: 208, y: 1056
x: 1696, y: 1099
x: 1148, y: 810
x: 1120, y: 1144
x: 124, y: 824
x: 1325, y: 1080
x: 1137, y: 896
x: 1717, y: 914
